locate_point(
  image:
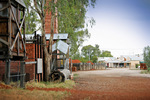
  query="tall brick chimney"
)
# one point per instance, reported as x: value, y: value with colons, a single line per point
x: 48, y: 22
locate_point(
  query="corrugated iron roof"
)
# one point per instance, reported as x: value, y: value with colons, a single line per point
x: 21, y: 2
x: 75, y: 61
x: 29, y: 36
x: 57, y: 36
x: 135, y: 58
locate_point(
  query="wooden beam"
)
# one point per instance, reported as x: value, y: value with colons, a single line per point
x: 3, y: 41
x: 4, y: 8
x: 18, y: 32
x: 24, y: 32
x: 33, y: 62
x: 9, y: 27
x: 18, y: 50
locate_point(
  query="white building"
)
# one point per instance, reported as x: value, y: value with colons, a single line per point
x: 122, y: 61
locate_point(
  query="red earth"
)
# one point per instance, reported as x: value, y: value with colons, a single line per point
x: 92, y: 86
x: 101, y: 87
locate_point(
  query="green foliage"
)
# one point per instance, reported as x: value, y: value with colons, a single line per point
x: 76, y: 55
x: 84, y: 59
x: 106, y: 54
x: 71, y: 20
x: 31, y: 18
x: 145, y: 72
x: 147, y: 56
x: 94, y: 53
x: 91, y: 53
x: 137, y: 65
x: 71, y: 15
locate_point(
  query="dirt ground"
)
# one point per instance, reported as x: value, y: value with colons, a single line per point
x: 111, y: 84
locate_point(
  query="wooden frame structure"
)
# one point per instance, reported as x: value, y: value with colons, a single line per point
x: 12, y: 26
x: 12, y: 44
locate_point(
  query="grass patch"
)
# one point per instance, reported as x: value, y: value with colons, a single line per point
x: 145, y: 72
x: 67, y: 84
x: 21, y: 94
x: 75, y: 75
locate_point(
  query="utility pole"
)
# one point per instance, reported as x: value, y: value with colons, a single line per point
x: 89, y: 54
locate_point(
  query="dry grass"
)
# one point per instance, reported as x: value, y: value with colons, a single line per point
x: 23, y: 94
x: 67, y: 84
x: 145, y: 72
x: 20, y: 94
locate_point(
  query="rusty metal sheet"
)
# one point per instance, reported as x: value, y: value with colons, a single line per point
x: 61, y: 46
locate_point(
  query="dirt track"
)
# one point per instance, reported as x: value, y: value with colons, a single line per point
x: 111, y: 84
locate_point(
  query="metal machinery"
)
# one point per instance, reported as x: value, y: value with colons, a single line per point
x: 60, y: 62
x: 12, y: 44
x: 60, y: 51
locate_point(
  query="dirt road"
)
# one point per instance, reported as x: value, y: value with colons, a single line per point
x: 111, y: 84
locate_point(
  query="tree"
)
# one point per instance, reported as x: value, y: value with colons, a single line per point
x: 76, y: 55
x: 147, y: 56
x: 71, y: 16
x: 31, y: 18
x: 106, y: 54
x: 91, y: 53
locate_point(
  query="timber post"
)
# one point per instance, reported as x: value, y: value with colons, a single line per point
x: 22, y: 76
x: 7, y: 72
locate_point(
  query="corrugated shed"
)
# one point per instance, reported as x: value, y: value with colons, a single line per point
x: 61, y: 46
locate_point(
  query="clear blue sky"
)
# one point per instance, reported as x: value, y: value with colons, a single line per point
x: 122, y: 26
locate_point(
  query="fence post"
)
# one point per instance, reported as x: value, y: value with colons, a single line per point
x: 22, y: 72
x: 7, y: 72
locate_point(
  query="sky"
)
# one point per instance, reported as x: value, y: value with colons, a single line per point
x: 122, y: 26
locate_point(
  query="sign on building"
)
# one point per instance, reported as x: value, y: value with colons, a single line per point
x: 39, y: 65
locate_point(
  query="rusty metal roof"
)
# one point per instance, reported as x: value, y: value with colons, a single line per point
x: 57, y: 36
x: 21, y: 2
x: 61, y: 46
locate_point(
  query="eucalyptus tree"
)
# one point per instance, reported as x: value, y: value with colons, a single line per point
x: 147, y: 56
x: 31, y: 19
x: 106, y: 54
x: 91, y: 53
x: 71, y: 19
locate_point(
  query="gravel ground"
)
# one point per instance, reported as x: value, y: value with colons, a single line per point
x: 113, y: 72
x: 111, y: 84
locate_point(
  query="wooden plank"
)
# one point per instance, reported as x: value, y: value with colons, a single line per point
x: 9, y: 28
x: 3, y: 28
x: 18, y: 50
x: 33, y: 62
x: 3, y: 41
x: 4, y: 8
x: 4, y: 34
x: 24, y: 32
x: 18, y: 32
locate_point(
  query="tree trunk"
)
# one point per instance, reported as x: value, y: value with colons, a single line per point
x: 47, y: 56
